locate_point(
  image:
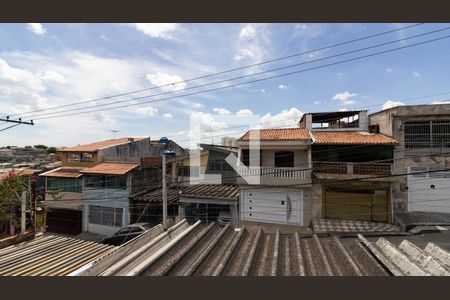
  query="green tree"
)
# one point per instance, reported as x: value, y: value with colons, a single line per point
x: 11, y: 188
x: 51, y: 150
x: 40, y: 146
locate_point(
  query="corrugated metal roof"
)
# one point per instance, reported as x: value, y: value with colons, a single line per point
x: 50, y: 255
x: 350, y: 137
x: 99, y: 145
x: 279, y: 134
x: 186, y: 250
x: 110, y: 168
x: 155, y: 195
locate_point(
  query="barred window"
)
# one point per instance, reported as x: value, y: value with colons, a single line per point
x: 104, y: 215
x: 427, y: 134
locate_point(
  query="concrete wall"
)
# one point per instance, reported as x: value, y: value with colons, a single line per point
x: 133, y: 151
x: 116, y: 198
x: 391, y: 123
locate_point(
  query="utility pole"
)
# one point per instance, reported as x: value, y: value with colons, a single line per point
x: 16, y: 123
x: 23, y: 216
x: 166, y: 153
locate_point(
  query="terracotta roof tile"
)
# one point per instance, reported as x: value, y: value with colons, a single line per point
x: 351, y: 137
x: 99, y: 145
x: 280, y: 134
x: 110, y: 169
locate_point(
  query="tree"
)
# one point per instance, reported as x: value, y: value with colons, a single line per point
x: 11, y: 188
x: 40, y: 146
x: 51, y: 150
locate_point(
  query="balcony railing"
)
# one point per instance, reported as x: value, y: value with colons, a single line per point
x: 352, y: 168
x: 281, y: 173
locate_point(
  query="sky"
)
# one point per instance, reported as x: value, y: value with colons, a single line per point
x: 48, y: 65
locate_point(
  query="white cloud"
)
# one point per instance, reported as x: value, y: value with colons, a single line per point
x: 207, y: 123
x: 439, y: 102
x: 343, y: 109
x: 52, y: 77
x: 36, y: 28
x: 391, y: 103
x: 244, y: 113
x: 148, y: 111
x: 416, y: 74
x: 221, y: 111
x: 156, y: 30
x: 169, y: 82
x: 317, y: 102
x: 344, y: 97
x: 288, y: 118
x: 263, y: 91
x: 389, y: 70
x: 190, y: 104
x: 252, y: 44
x: 247, y: 32
x: 282, y: 87
x: 167, y: 116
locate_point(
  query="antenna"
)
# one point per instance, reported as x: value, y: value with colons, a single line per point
x: 114, y: 132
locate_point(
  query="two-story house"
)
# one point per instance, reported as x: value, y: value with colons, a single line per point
x: 331, y: 166
x: 283, y: 192
x: 97, y: 180
x: 352, y: 167
x: 424, y: 135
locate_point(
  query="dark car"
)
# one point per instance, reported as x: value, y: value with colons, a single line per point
x: 126, y: 234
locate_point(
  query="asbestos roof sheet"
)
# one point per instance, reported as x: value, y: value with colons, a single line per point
x: 155, y: 195
x: 351, y: 137
x: 223, y: 191
x: 110, y: 169
x: 50, y: 255
x: 63, y: 172
x: 174, y: 192
x: 279, y: 134
x: 212, y: 250
x: 99, y: 145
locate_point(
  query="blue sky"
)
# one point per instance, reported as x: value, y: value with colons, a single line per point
x: 46, y: 65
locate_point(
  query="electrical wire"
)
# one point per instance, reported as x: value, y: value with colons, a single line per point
x: 229, y: 70
x: 49, y: 115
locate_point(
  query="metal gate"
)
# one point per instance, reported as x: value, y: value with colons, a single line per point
x: 272, y: 205
x: 429, y: 192
x: 356, y: 204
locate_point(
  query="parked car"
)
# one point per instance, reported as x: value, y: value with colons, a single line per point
x: 223, y: 218
x: 126, y: 234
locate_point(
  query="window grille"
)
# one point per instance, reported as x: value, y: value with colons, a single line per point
x: 427, y: 134
x: 107, y: 216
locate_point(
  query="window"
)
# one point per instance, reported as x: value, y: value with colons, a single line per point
x: 73, y: 157
x: 104, y: 215
x: 186, y: 171
x: 427, y: 134
x: 109, y: 182
x: 64, y: 184
x: 245, y: 157
x: 87, y: 157
x: 284, y: 159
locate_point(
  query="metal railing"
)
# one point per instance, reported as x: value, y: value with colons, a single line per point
x: 289, y: 173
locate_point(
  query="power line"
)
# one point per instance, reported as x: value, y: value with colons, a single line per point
x: 253, y: 81
x: 227, y: 71
x: 40, y: 116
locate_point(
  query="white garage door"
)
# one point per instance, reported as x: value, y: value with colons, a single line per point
x: 429, y: 192
x: 272, y: 205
